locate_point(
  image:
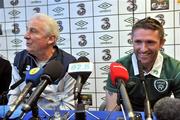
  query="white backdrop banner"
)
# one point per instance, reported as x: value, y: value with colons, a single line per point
x: 97, y: 29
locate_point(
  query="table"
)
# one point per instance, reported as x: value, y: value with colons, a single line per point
x: 90, y: 115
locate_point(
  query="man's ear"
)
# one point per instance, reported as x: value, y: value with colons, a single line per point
x: 52, y: 39
x: 162, y: 42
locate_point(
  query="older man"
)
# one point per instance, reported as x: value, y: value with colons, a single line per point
x: 41, y: 36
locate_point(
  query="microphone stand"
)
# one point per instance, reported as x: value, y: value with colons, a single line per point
x: 147, y: 105
x: 34, y: 109
x: 80, y: 113
x: 125, y: 102
x: 119, y: 101
x: 35, y: 112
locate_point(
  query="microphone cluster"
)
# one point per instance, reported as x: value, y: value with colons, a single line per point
x: 80, y: 70
x: 39, y: 78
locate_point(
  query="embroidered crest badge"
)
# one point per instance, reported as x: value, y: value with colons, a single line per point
x: 160, y: 85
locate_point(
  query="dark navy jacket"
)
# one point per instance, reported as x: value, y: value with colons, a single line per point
x: 25, y: 61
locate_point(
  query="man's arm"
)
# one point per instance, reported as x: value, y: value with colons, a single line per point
x: 13, y: 94
x: 111, y: 101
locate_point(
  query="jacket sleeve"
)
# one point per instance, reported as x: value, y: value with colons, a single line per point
x: 13, y: 94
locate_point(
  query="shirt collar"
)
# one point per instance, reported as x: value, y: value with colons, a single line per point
x: 157, y: 67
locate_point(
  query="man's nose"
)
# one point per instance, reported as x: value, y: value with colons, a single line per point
x: 144, y: 47
x: 26, y: 36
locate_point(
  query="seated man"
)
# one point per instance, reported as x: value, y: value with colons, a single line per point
x: 5, y: 80
x: 41, y: 36
x: 160, y: 72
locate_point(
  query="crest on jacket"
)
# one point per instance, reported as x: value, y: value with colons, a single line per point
x: 160, y: 85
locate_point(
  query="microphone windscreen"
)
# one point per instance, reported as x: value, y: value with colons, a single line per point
x: 54, y: 69
x: 33, y: 75
x: 82, y: 59
x: 118, y: 71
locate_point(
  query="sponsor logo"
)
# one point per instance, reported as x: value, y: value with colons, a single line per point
x: 82, y: 53
x: 14, y: 13
x: 104, y: 6
x: 105, y: 68
x: 81, y: 23
x: 82, y: 10
x: 160, y: 17
x: 15, y: 29
x: 129, y: 51
x: 131, y: 21
x: 129, y: 40
x: 37, y: 9
x: 60, y: 41
x: 34, y: 71
x: 14, y: 2
x: 60, y: 25
x: 16, y: 42
x: 106, y: 25
x: 58, y: 9
x: 107, y: 55
x: 105, y: 38
x: 82, y: 41
x: 132, y: 5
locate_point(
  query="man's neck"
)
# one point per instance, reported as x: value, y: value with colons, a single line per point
x: 45, y: 56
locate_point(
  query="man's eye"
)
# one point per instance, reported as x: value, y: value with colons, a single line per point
x: 150, y: 42
x: 33, y: 30
x: 137, y: 41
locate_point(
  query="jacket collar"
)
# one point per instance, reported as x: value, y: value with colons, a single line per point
x: 157, y: 67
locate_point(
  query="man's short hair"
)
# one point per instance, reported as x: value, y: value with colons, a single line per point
x: 51, y: 24
x: 150, y: 23
x: 167, y: 108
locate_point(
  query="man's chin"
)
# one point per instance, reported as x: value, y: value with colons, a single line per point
x: 29, y: 51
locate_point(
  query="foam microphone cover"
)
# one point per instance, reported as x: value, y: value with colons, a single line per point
x: 118, y: 71
x: 54, y: 69
x: 33, y: 75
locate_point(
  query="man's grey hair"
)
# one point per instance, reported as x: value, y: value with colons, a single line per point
x: 52, y: 26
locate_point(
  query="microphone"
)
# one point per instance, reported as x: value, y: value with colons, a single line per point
x: 12, y: 87
x: 32, y: 79
x: 119, y: 75
x: 147, y: 105
x: 52, y: 71
x: 16, y: 75
x: 80, y: 70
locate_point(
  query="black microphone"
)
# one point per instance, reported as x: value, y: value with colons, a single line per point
x: 12, y: 87
x: 15, y: 71
x: 52, y: 71
x: 32, y: 79
x: 147, y: 105
x: 80, y: 70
